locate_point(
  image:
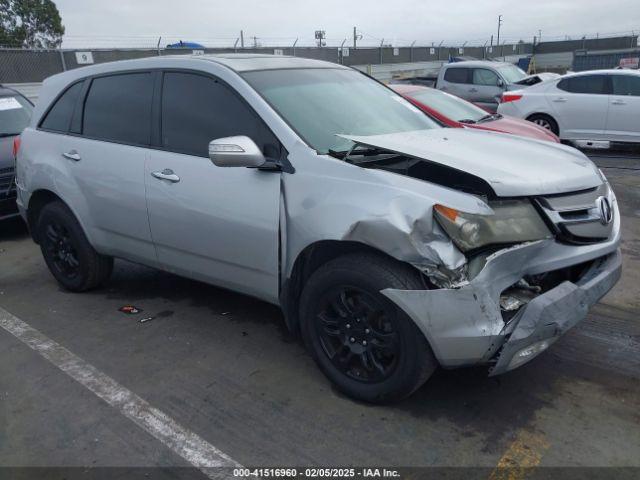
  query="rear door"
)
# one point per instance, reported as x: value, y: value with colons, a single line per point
x: 623, y: 120
x: 215, y: 224
x: 105, y: 153
x: 485, y: 90
x: 580, y: 104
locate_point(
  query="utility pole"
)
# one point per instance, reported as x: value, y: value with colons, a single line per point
x: 356, y: 37
x: 499, y: 25
x: 241, y: 39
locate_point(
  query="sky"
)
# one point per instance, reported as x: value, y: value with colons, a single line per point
x: 138, y: 23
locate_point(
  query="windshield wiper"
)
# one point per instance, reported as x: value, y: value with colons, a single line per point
x: 2, y: 135
x: 467, y: 121
x: 366, y: 155
x: 491, y: 116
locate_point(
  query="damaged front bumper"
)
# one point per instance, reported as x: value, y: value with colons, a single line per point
x: 465, y: 326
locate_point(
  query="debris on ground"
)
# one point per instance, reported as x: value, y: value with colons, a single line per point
x: 130, y: 309
x: 147, y: 319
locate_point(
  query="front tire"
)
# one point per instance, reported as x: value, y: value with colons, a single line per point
x: 72, y: 260
x: 365, y: 344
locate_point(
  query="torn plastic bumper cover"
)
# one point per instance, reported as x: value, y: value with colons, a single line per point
x: 465, y: 326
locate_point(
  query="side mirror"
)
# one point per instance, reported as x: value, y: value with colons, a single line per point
x: 500, y: 83
x: 238, y: 151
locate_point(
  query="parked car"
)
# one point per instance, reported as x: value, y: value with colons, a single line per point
x: 455, y: 112
x: 15, y: 111
x: 391, y: 244
x: 601, y: 105
x: 481, y: 82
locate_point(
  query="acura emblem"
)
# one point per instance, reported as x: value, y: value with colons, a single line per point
x: 604, y: 207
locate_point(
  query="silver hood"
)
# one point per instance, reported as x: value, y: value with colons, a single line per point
x: 512, y: 166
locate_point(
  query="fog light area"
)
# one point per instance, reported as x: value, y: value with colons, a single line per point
x: 526, y: 354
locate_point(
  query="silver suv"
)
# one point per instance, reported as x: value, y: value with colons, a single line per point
x: 481, y: 82
x: 391, y: 244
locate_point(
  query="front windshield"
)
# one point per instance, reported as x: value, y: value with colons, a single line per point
x: 15, y: 113
x: 322, y: 102
x: 452, y: 107
x: 511, y: 73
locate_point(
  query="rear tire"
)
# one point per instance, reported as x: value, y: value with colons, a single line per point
x: 365, y: 344
x: 72, y: 260
x: 545, y: 121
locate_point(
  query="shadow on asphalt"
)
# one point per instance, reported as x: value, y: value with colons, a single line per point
x: 12, y: 229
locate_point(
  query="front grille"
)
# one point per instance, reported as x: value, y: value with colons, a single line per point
x: 7, y: 182
x: 578, y: 217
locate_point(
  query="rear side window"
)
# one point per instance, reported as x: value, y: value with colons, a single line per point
x: 626, y: 85
x: 593, y: 84
x: 59, y: 117
x: 197, y: 109
x: 457, y: 75
x: 118, y: 108
x: 482, y: 76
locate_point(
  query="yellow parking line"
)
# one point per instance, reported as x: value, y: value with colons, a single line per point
x: 523, y: 454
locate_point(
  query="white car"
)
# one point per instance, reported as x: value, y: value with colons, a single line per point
x: 602, y: 105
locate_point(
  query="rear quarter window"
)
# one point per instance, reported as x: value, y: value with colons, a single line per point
x: 59, y: 117
x: 457, y: 75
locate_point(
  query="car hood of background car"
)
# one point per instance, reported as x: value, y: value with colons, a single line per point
x: 515, y: 126
x: 512, y: 166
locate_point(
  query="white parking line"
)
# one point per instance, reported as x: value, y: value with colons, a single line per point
x: 195, y: 450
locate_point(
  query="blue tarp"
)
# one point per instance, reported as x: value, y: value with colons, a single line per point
x: 182, y: 44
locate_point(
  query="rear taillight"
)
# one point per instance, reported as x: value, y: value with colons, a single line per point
x: 510, y: 97
x: 16, y: 146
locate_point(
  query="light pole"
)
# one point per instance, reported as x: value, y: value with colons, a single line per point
x: 499, y: 25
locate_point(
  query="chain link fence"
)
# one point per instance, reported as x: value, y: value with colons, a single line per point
x: 33, y: 66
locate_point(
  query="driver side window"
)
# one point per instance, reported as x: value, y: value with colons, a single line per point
x: 484, y: 77
x: 197, y: 109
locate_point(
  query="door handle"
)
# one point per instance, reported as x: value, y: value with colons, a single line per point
x: 618, y: 102
x: 473, y: 90
x: 560, y: 100
x: 72, y: 155
x: 166, y: 174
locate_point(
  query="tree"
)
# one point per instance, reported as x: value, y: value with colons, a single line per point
x: 30, y: 24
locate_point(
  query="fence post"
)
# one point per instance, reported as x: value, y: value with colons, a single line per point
x: 62, y: 60
x: 411, y: 51
x: 381, y: 43
x: 294, y: 47
x: 158, y: 45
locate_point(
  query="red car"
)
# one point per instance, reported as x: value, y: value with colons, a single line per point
x: 455, y: 112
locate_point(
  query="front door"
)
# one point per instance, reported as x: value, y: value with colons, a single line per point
x: 486, y: 90
x: 215, y: 224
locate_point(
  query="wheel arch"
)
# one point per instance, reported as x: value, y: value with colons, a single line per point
x: 37, y: 202
x: 308, y: 261
x: 541, y: 113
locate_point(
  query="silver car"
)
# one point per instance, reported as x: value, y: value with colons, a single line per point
x: 481, y: 82
x: 391, y: 244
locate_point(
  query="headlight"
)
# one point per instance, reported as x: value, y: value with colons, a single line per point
x: 513, y: 221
